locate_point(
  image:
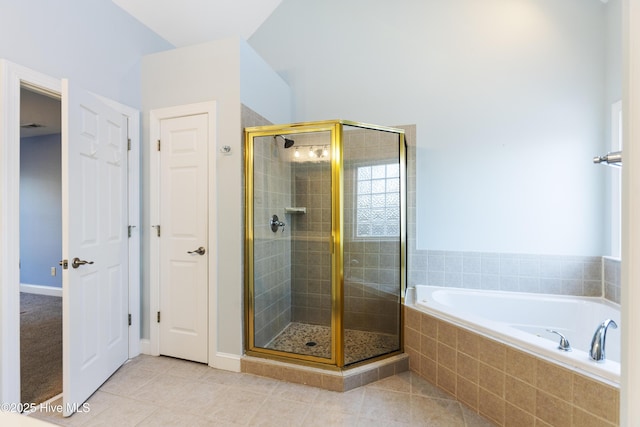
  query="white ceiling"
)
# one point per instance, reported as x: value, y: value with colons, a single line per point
x: 188, y: 22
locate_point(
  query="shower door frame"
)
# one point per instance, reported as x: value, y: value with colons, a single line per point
x: 336, y: 244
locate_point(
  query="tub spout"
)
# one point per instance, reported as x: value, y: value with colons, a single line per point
x: 599, y: 338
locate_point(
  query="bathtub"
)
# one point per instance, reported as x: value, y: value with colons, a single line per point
x: 522, y: 319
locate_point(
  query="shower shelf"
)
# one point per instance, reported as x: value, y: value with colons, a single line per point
x: 295, y: 210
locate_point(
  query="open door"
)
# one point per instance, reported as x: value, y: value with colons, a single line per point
x: 94, y: 246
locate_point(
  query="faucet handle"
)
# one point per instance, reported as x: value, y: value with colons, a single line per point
x: 564, y: 342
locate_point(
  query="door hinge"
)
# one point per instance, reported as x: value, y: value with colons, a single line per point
x: 65, y: 264
x: 158, y: 318
x: 129, y: 319
x: 130, y: 229
x: 157, y: 227
x: 128, y: 144
x: 158, y: 145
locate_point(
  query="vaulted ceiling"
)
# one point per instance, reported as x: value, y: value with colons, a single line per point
x: 188, y: 22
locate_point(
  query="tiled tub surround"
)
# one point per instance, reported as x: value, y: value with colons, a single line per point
x: 612, y: 279
x: 523, y: 320
x: 507, y: 385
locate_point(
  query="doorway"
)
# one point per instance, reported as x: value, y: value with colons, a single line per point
x: 85, y: 115
x: 40, y: 246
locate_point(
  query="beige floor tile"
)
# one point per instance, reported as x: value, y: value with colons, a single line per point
x: 296, y: 392
x: 319, y: 417
x: 349, y: 402
x: 162, y: 390
x: 386, y: 405
x: 237, y: 405
x: 376, y: 422
x: 256, y: 383
x: 188, y: 370
x: 98, y: 403
x: 198, y: 396
x: 221, y: 377
x: 436, y: 412
x: 129, y: 379
x: 278, y: 412
x: 169, y: 418
x: 122, y: 413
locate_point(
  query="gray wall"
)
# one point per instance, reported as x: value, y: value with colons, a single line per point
x: 508, y: 98
x: 40, y: 210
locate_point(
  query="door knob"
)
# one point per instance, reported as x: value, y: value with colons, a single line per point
x: 199, y: 251
x: 77, y: 262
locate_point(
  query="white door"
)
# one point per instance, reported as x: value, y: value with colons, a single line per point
x: 184, y: 253
x: 94, y: 229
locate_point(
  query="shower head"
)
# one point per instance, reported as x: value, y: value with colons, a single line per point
x: 288, y: 143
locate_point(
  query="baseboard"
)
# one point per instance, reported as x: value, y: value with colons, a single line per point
x: 41, y: 290
x: 226, y: 362
x: 145, y: 347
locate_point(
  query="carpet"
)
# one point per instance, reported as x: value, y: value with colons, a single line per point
x: 40, y: 347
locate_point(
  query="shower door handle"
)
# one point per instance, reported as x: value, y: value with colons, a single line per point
x: 199, y: 251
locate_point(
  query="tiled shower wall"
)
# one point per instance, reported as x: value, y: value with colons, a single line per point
x: 554, y: 274
x: 311, y: 286
x: 272, y: 251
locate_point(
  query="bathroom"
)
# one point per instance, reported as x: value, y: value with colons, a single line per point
x: 502, y: 74
x: 511, y: 101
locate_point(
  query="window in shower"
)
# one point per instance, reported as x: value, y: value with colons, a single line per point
x: 378, y: 201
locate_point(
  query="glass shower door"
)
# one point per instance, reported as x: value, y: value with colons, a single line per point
x: 292, y: 264
x: 373, y: 176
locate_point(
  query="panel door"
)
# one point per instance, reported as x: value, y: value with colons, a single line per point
x: 183, y: 242
x: 94, y: 243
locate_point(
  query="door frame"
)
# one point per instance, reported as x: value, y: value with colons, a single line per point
x: 12, y: 78
x: 155, y: 117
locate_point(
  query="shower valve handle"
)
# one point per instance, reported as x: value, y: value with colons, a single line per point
x: 564, y: 342
x: 275, y: 223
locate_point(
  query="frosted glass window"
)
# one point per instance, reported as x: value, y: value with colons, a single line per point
x: 378, y: 201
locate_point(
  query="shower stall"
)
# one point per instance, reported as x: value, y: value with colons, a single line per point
x: 325, y: 242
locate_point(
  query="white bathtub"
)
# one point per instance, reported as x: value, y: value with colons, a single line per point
x: 522, y: 320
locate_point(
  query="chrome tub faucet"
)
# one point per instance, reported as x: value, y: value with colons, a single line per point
x: 599, y: 338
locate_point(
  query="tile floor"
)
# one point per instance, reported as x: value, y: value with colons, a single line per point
x: 161, y: 391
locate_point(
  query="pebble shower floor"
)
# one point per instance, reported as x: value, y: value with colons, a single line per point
x: 315, y: 340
